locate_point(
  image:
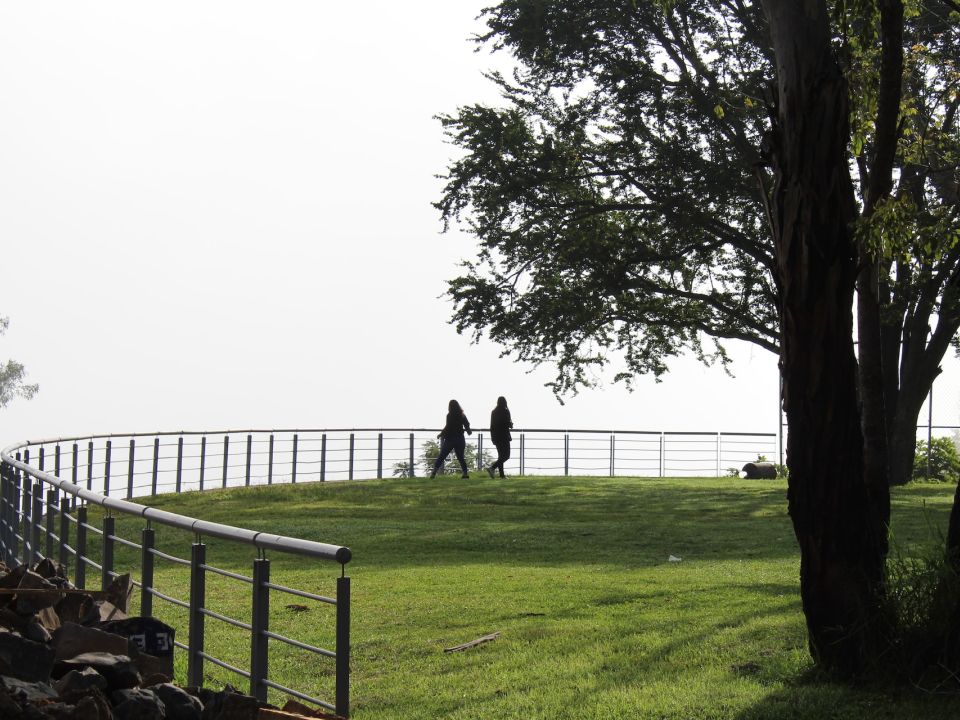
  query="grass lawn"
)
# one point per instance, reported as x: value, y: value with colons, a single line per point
x: 594, y: 620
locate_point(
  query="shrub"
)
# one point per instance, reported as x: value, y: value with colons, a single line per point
x: 923, y: 590
x: 944, y: 461
x: 428, y: 455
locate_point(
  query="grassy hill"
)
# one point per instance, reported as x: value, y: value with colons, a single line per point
x: 595, y: 619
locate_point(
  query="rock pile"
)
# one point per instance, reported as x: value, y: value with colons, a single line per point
x: 69, y: 654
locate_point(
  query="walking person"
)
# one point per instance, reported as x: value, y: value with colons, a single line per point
x: 500, y: 424
x: 451, y: 438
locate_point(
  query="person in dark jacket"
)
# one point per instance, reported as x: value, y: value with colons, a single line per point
x: 451, y: 438
x: 500, y: 424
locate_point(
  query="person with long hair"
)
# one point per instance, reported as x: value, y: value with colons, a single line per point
x: 500, y: 424
x: 451, y: 438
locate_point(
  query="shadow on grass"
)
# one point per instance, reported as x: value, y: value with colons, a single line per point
x: 817, y: 700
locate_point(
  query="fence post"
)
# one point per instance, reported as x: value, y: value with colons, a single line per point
x: 613, y: 451
x: 15, y: 517
x: 6, y: 480
x: 343, y: 647
x: 64, y: 531
x: 106, y: 469
x: 479, y: 451
x: 226, y: 457
x: 350, y: 464
x: 198, y: 558
x: 6, y: 473
x: 413, y: 472
x: 90, y: 465
x: 663, y: 460
x: 156, y: 466
x: 293, y: 475
x: 73, y: 474
x: 50, y: 519
x: 179, y: 482
x: 246, y: 480
x: 719, y: 452
x: 35, y: 523
x: 323, y: 457
x: 41, y: 457
x: 147, y: 543
x: 566, y: 454
x: 25, y: 512
x: 106, y: 556
x: 379, y: 456
x: 270, y: 462
x: 80, y: 574
x: 521, y: 454
x: 260, y: 622
x: 56, y: 460
x: 203, y: 459
x: 130, y: 462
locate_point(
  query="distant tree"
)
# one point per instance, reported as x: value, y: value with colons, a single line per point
x: 429, y: 452
x: 944, y: 461
x: 12, y: 375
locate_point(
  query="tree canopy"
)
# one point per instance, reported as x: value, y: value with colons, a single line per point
x: 620, y: 192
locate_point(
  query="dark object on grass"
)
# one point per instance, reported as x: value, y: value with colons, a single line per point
x: 760, y: 471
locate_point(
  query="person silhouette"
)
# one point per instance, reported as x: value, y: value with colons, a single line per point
x: 500, y: 424
x: 451, y: 438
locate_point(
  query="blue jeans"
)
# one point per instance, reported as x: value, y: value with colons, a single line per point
x: 458, y: 445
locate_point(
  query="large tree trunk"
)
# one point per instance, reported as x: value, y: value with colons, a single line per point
x: 837, y: 516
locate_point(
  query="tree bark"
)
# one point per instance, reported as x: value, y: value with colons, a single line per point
x: 837, y: 516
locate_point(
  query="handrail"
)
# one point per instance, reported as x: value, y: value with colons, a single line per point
x: 37, y: 517
x: 266, y: 541
x: 240, y: 431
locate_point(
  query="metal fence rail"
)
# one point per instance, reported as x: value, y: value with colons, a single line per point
x: 40, y: 511
x: 47, y: 486
x: 140, y: 464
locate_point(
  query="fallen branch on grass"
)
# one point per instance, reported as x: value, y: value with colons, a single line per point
x: 473, y: 643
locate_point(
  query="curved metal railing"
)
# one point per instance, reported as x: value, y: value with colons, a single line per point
x: 49, y: 483
x: 33, y: 526
x: 138, y: 464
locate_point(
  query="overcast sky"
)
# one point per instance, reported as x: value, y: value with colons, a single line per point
x: 218, y: 215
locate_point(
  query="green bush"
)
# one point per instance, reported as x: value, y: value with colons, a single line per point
x: 923, y: 590
x: 428, y: 455
x: 944, y: 461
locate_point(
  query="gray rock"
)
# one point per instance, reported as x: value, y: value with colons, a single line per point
x: 28, y: 691
x: 36, y: 632
x: 79, y: 681
x: 25, y: 659
x: 180, y: 704
x: 70, y: 640
x: 137, y: 704
x: 43, y: 594
x: 119, y: 670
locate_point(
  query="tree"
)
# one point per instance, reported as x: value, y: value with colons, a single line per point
x: 839, y: 511
x: 623, y: 200
x: 620, y: 201
x: 429, y: 452
x: 12, y: 375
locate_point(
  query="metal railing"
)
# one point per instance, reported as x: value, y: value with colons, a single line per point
x: 39, y: 512
x: 138, y: 464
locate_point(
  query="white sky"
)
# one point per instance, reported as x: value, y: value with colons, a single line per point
x: 217, y: 215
